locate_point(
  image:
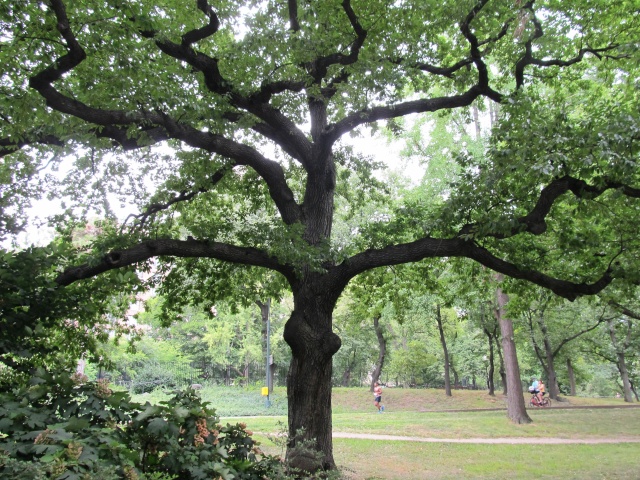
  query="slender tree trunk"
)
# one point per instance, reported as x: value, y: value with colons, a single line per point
x: 346, y: 375
x: 572, y: 378
x: 624, y: 375
x: 552, y: 378
x: 443, y: 342
x: 382, y: 350
x: 490, y: 373
x: 502, y: 370
x: 516, y: 410
x: 621, y: 362
x: 456, y: 380
x: 313, y: 344
x: 633, y: 389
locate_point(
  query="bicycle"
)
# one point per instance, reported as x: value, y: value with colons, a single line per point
x: 534, y: 402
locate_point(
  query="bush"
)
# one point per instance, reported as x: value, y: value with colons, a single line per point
x: 62, y: 427
x: 151, y: 376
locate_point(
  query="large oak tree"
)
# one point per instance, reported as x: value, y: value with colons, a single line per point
x: 254, y: 98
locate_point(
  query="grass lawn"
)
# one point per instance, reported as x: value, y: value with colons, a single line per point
x: 430, y: 414
x: 375, y: 460
x: 566, y: 424
x: 362, y: 459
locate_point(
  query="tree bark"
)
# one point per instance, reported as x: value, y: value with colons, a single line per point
x: 516, y: 410
x: 382, y: 351
x: 443, y: 342
x: 313, y: 344
x: 572, y: 378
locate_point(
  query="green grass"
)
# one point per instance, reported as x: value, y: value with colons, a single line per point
x: 362, y: 459
x: 430, y: 414
x: 230, y: 401
x: 248, y: 401
x: 369, y: 460
x: 481, y: 424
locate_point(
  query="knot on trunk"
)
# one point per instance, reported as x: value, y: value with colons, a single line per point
x: 305, y: 338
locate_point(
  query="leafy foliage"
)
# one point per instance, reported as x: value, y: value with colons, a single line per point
x: 67, y: 428
x: 44, y: 325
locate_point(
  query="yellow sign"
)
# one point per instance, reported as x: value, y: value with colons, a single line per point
x: 265, y: 391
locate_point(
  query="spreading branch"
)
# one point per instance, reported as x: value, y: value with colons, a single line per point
x: 9, y: 145
x: 172, y: 248
x: 625, y: 310
x: 436, y: 248
x: 535, y: 221
x: 529, y: 59
x: 115, y: 121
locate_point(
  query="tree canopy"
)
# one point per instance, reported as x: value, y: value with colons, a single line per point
x: 226, y: 121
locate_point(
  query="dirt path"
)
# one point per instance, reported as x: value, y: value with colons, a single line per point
x: 507, y: 440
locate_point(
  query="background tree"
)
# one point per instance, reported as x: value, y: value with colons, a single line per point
x: 254, y: 104
x: 552, y: 325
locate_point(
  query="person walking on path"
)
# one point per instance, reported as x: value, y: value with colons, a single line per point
x: 377, y: 397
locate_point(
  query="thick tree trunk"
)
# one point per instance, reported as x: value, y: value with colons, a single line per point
x: 516, y: 410
x: 313, y: 344
x: 572, y: 378
x: 443, y: 342
x: 382, y: 351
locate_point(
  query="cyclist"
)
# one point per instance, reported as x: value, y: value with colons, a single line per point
x: 534, y: 388
x: 541, y: 389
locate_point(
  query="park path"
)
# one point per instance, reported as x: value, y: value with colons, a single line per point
x: 506, y: 440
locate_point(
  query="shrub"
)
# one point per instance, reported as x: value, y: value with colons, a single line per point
x: 151, y: 376
x: 62, y: 427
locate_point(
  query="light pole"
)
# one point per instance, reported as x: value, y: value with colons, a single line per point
x: 268, y: 369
